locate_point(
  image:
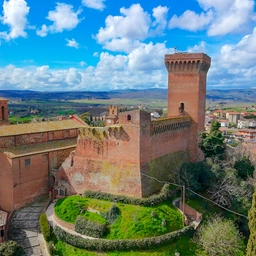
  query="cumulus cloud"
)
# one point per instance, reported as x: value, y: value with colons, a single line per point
x: 63, y: 18
x: 190, y: 20
x: 72, y: 43
x: 94, y: 4
x: 218, y: 17
x: 197, y: 48
x: 234, y: 66
x: 124, y: 32
x: 15, y: 16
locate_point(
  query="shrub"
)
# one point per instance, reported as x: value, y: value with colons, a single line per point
x: 112, y: 214
x: 45, y: 228
x: 11, y: 248
x: 51, y: 248
x: 89, y: 228
x: 155, y: 199
x: 119, y: 245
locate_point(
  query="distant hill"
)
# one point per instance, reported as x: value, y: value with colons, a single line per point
x: 240, y: 95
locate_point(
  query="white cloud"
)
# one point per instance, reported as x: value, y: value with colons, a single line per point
x: 190, y: 20
x: 133, y: 24
x: 15, y: 16
x: 123, y: 33
x: 219, y: 17
x: 235, y: 65
x: 63, y: 18
x: 197, y: 48
x: 94, y: 4
x: 231, y: 18
x: 160, y: 15
x: 72, y: 43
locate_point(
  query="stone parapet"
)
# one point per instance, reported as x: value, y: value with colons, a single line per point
x: 169, y: 124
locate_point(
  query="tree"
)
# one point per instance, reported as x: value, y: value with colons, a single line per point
x: 244, y: 167
x: 251, y: 246
x: 219, y: 236
x: 212, y: 143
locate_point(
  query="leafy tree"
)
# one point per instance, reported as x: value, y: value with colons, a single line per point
x: 244, y: 167
x: 11, y: 248
x: 212, y: 143
x: 251, y: 246
x: 219, y: 236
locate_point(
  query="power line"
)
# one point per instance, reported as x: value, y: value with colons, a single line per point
x: 205, y: 198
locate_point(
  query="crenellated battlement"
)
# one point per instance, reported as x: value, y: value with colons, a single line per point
x: 101, y: 133
x: 169, y: 124
x: 185, y: 62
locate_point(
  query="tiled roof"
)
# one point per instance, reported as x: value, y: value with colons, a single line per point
x: 17, y: 129
x: 38, y: 148
x: 3, y: 218
x: 1, y: 98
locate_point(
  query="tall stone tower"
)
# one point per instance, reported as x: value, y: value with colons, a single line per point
x: 187, y: 92
x: 3, y: 111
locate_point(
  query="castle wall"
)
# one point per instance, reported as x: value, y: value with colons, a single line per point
x: 6, y: 183
x: 106, y: 159
x: 164, y: 147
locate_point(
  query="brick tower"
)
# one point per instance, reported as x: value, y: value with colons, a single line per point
x: 3, y: 111
x: 187, y: 92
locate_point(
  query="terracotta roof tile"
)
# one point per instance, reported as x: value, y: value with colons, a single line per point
x: 38, y: 148
x: 16, y: 129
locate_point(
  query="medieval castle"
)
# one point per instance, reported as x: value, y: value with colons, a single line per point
x: 72, y: 157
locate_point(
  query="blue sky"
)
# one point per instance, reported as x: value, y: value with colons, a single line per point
x: 104, y: 45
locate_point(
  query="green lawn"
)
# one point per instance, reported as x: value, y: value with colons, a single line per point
x: 134, y: 221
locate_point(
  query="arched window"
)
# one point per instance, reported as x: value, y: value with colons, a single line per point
x: 181, y: 108
x: 2, y: 109
x: 113, y: 112
x: 129, y: 118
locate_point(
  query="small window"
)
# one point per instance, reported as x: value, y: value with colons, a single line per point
x: 113, y: 112
x: 67, y: 134
x: 181, y: 108
x: 27, y: 162
x: 129, y: 118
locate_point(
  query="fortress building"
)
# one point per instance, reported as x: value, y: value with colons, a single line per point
x: 119, y: 157
x: 29, y: 153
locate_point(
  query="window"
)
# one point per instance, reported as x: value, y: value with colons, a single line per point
x: 27, y: 162
x: 3, y: 117
x: 129, y: 118
x: 45, y: 157
x: 113, y: 112
x: 181, y: 108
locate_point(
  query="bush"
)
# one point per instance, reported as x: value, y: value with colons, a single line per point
x: 89, y: 228
x: 120, y: 245
x: 11, y: 248
x: 112, y: 214
x: 51, y: 248
x: 45, y: 228
x: 155, y: 199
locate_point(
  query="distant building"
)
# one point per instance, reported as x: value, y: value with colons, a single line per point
x: 233, y: 117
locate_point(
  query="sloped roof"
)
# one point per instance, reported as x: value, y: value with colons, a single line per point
x: 16, y: 129
x: 32, y: 149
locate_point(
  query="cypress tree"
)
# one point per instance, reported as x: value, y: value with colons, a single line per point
x: 251, y: 246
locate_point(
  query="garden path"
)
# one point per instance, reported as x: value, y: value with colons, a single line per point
x: 52, y: 222
x: 25, y: 227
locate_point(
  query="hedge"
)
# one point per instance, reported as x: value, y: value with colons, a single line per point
x: 126, y: 244
x: 89, y: 228
x: 164, y: 194
x: 45, y: 227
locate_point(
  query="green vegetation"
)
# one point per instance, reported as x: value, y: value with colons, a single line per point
x: 11, y: 248
x: 183, y: 245
x: 244, y: 168
x: 212, y: 143
x: 251, y: 246
x: 45, y: 228
x: 219, y: 236
x: 134, y: 221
